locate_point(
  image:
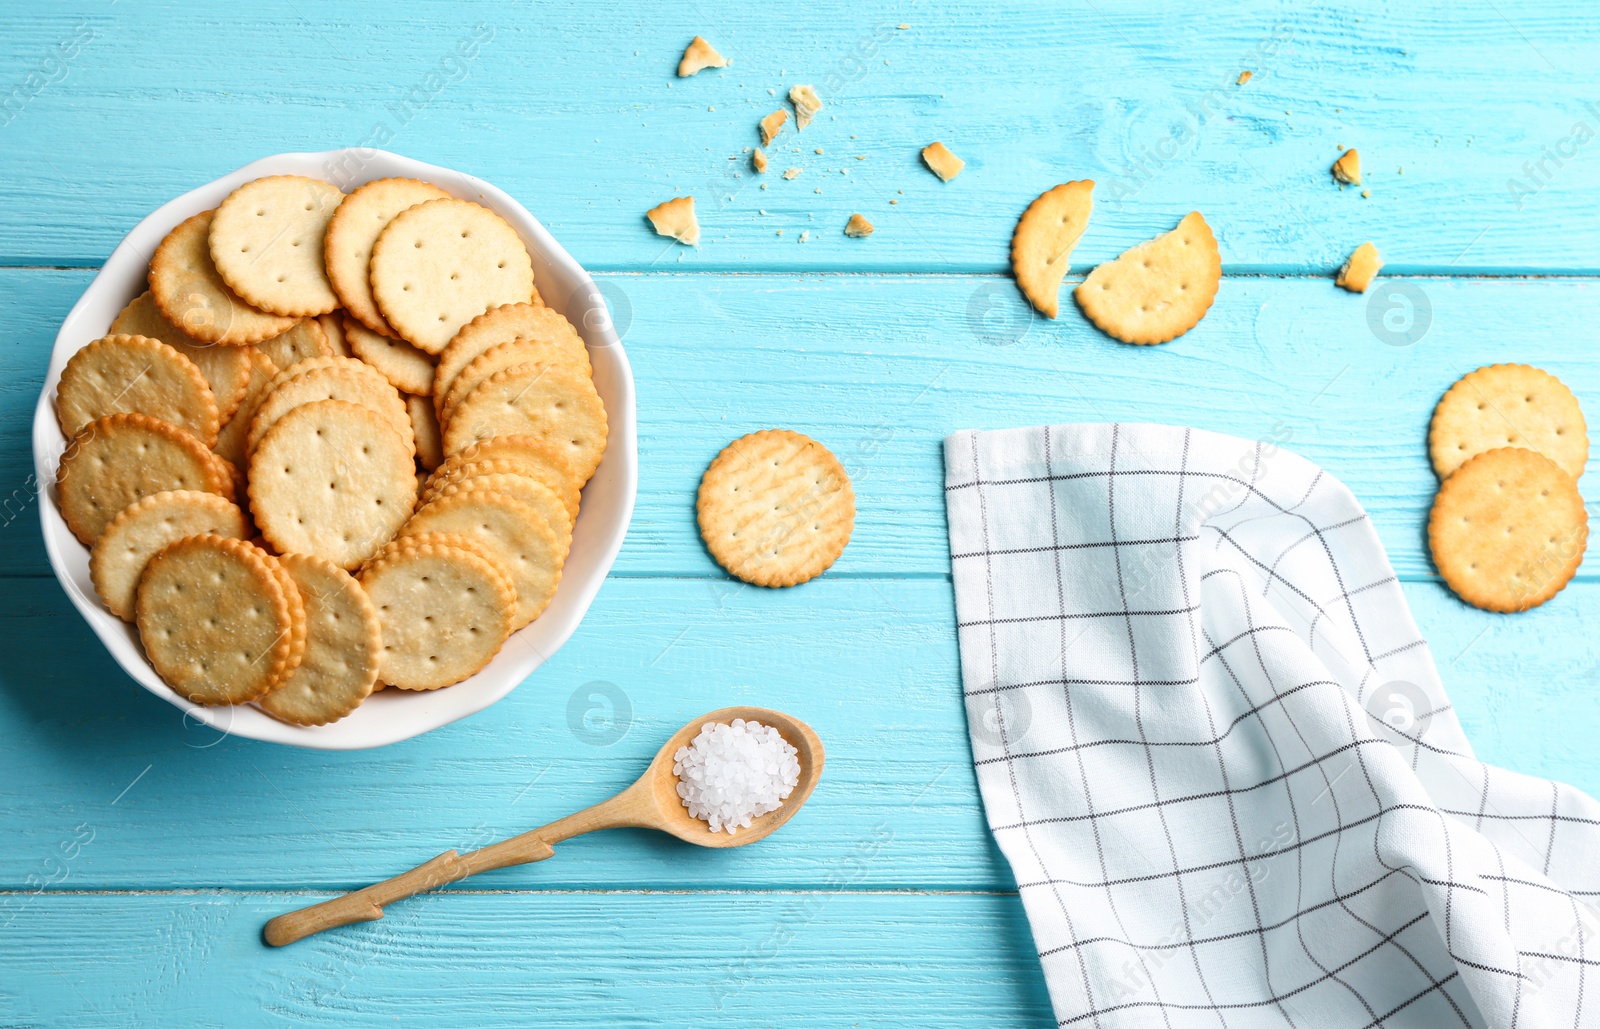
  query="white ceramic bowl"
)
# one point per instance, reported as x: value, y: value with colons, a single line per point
x: 607, y: 500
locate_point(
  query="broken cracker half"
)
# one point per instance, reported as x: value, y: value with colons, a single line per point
x: 1041, y: 247
x: 698, y: 56
x: 1358, y: 272
x: 676, y: 218
x: 1158, y: 290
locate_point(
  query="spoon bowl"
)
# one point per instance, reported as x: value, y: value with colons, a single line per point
x: 652, y: 802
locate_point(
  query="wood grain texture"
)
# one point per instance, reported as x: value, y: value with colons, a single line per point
x: 1462, y: 96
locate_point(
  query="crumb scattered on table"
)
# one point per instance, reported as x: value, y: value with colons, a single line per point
x: 1358, y: 272
x: 806, y: 105
x: 758, y: 160
x: 698, y: 56
x: 1347, y: 169
x: 1244, y: 77
x: 791, y: 173
x: 943, y: 163
x: 772, y: 124
x: 857, y: 227
x: 676, y: 218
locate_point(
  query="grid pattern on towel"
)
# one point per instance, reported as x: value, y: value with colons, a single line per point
x: 1214, y: 748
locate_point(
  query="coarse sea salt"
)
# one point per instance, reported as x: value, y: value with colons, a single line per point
x: 729, y: 774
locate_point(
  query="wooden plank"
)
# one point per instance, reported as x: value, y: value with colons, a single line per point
x: 587, y: 124
x: 549, y: 959
x: 881, y: 368
x: 870, y: 663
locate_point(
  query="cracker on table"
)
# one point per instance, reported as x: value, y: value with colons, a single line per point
x: 1158, y: 290
x: 266, y: 242
x: 443, y: 609
x: 235, y: 434
x: 526, y: 490
x: 135, y: 373
x: 1361, y: 268
x: 118, y: 459
x: 331, y: 478
x: 142, y: 528
x: 192, y: 296
x: 440, y: 264
x: 534, y: 322
x: 941, y: 161
x: 758, y: 160
x: 344, y: 645
x: 806, y: 105
x: 776, y: 508
x: 1508, y: 530
x: 515, y: 533
x: 227, y: 369
x: 771, y: 125
x: 339, y: 381
x: 498, y: 358
x: 858, y: 227
x: 425, y: 431
x: 408, y: 369
x: 353, y: 230
x: 1041, y: 246
x: 698, y: 56
x: 215, y: 620
x: 333, y: 330
x: 676, y: 218
x: 1347, y: 169
x: 302, y: 341
x: 1508, y: 405
x: 525, y: 455
x: 551, y: 403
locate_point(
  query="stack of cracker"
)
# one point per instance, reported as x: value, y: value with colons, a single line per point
x: 1508, y: 527
x: 340, y: 442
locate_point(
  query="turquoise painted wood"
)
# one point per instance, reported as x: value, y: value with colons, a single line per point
x: 140, y: 855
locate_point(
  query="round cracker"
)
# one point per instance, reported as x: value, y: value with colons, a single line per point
x: 504, y: 324
x: 444, y: 612
x: 1041, y: 247
x: 332, y: 382
x: 1508, y: 529
x: 553, y: 404
x: 353, y: 230
x: 227, y: 369
x: 135, y: 373
x: 522, y: 454
x: 142, y: 528
x: 512, y: 531
x: 408, y: 369
x: 215, y: 620
x: 524, y: 490
x: 266, y: 242
x: 440, y: 264
x: 344, y: 645
x: 333, y: 479
x: 191, y: 295
x: 776, y: 508
x: 425, y: 432
x: 1158, y: 290
x: 303, y: 341
x: 498, y: 358
x: 1508, y: 405
x: 122, y: 458
x: 232, y: 438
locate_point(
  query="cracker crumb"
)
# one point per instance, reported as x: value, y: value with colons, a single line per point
x: 780, y: 232
x: 772, y: 92
x: 698, y: 56
x: 903, y: 26
x: 1358, y: 272
x: 806, y: 105
x: 713, y: 107
x: 857, y: 227
x: 1347, y: 169
x: 1366, y: 194
x: 676, y: 218
x: 758, y: 160
x: 894, y: 201
x: 791, y: 173
x: 861, y: 157
x: 942, y: 162
x: 763, y: 185
x: 817, y: 190
x: 804, y: 236
x: 772, y: 124
x: 1244, y: 77
x: 819, y: 150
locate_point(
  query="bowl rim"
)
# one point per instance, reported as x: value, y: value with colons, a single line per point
x: 126, y: 267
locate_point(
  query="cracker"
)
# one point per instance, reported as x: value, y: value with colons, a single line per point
x: 215, y: 620
x: 758, y: 160
x: 554, y: 405
x: 1041, y: 247
x: 498, y: 358
x: 333, y: 330
x: 1358, y: 272
x: 533, y: 322
x: 1158, y: 290
x: 528, y: 455
x: 425, y: 432
x: 1347, y: 169
x: 440, y: 264
x: 302, y: 341
x: 266, y: 242
x: 771, y: 125
x: 698, y: 56
x: 119, y: 459
x: 1508, y: 405
x: 806, y: 105
x: 676, y: 218
x: 408, y: 369
x: 192, y: 296
x: 227, y: 369
x: 512, y: 531
x: 142, y: 528
x: 344, y: 645
x: 526, y: 490
x: 231, y: 440
x: 1508, y: 530
x: 857, y: 226
x: 331, y: 478
x: 297, y: 616
x: 340, y: 381
x: 353, y: 230
x: 444, y: 612
x: 135, y: 373
x: 941, y: 161
x: 776, y: 508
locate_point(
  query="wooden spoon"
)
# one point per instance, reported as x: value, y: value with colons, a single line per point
x: 650, y: 803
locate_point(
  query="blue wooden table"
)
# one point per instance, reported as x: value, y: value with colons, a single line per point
x: 140, y: 855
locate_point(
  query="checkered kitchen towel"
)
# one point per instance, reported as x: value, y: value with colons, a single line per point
x: 1215, y: 749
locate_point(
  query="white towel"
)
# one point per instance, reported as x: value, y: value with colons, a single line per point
x: 1214, y: 747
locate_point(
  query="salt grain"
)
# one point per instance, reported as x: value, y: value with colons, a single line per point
x: 730, y: 774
